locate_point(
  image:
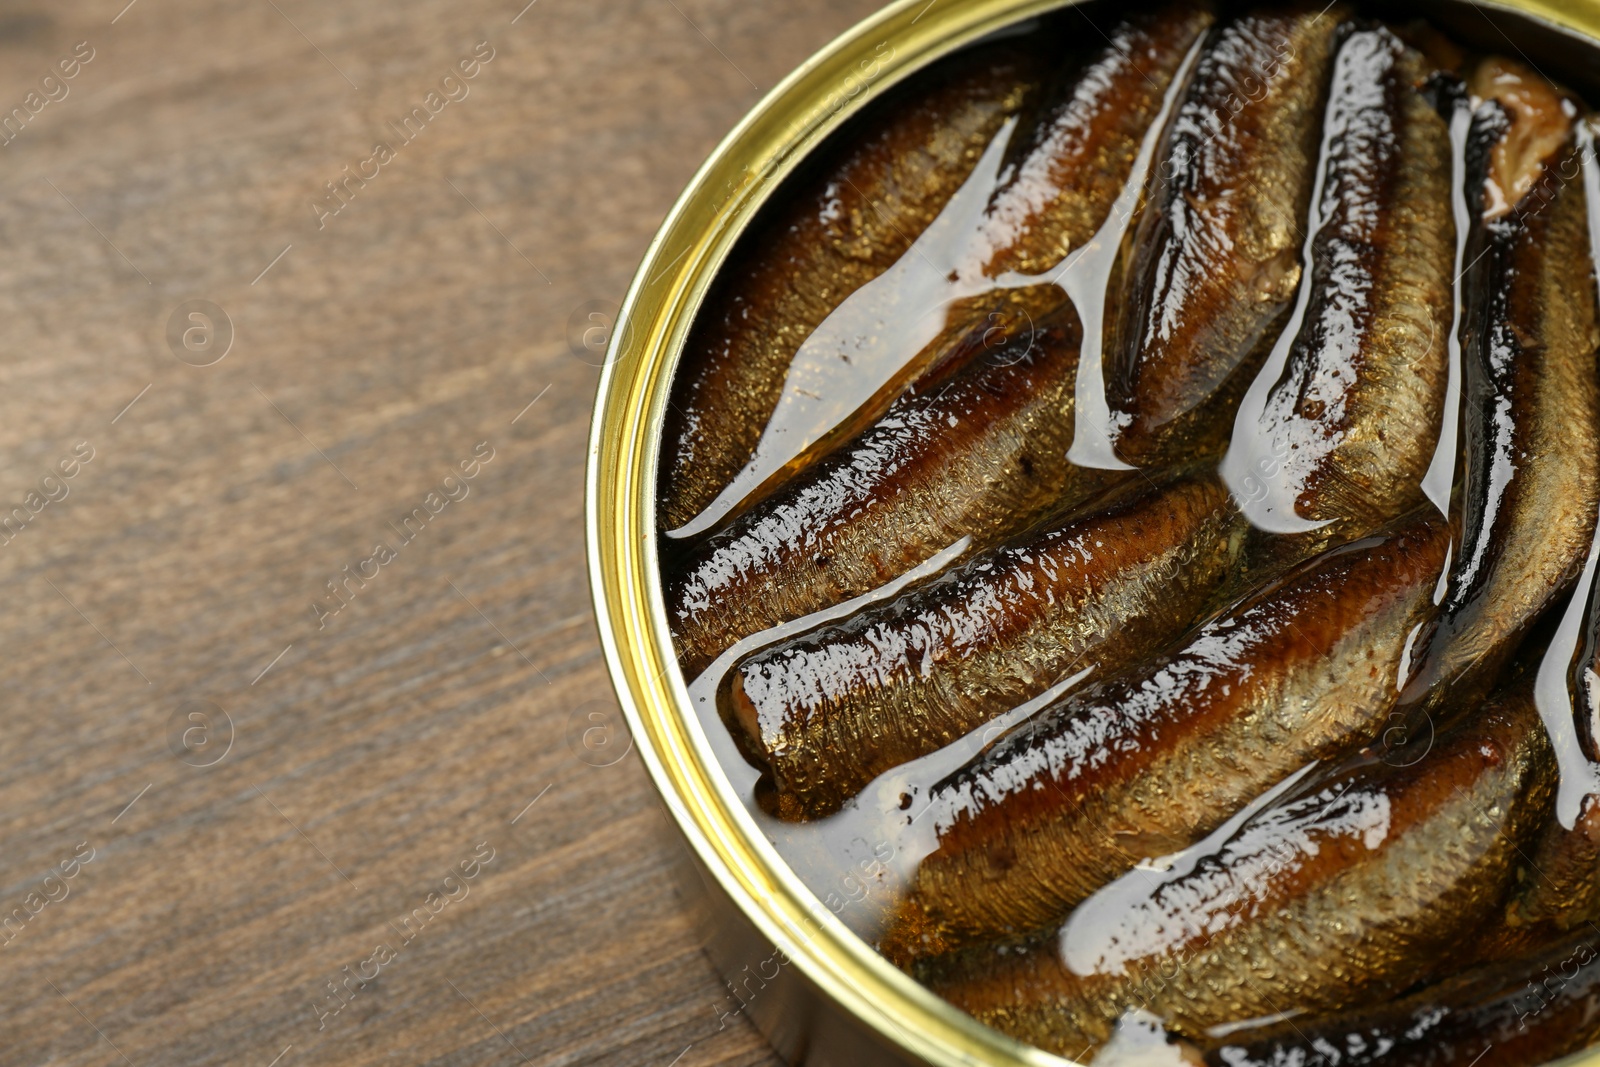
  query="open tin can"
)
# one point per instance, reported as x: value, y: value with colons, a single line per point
x: 815, y: 989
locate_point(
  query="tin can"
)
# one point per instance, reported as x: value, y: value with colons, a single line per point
x: 818, y: 992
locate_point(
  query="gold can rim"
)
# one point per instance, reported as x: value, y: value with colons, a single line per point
x: 650, y: 331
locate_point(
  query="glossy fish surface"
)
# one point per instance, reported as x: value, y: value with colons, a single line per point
x: 974, y: 328
x: 1345, y: 435
x: 1529, y: 473
x: 856, y: 218
x: 1562, y: 876
x: 1073, y: 163
x: 1066, y: 164
x: 1369, y: 878
x: 1149, y: 762
x: 1511, y: 1013
x: 1212, y: 264
x: 978, y: 457
x: 1561, y: 880
x: 831, y: 709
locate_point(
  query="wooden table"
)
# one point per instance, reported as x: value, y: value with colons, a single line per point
x: 272, y: 778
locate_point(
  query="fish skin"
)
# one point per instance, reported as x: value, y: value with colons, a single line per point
x: 1076, y: 159
x: 1148, y: 763
x: 1528, y: 479
x: 1355, y: 415
x: 845, y: 232
x: 981, y: 456
x: 831, y: 709
x: 1210, y: 269
x: 1061, y: 180
x: 1511, y: 1013
x: 1561, y: 881
x: 975, y: 327
x: 848, y: 225
x: 1341, y: 895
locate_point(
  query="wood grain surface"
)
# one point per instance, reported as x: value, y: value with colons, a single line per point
x: 271, y: 790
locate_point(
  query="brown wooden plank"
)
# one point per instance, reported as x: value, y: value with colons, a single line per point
x: 367, y: 362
